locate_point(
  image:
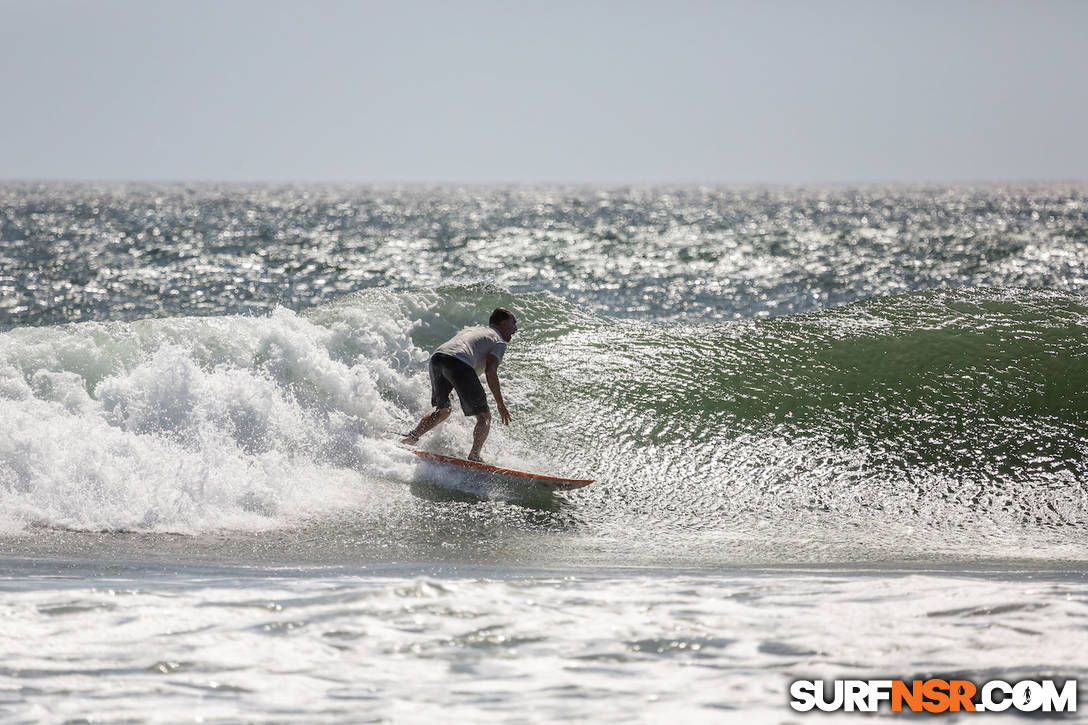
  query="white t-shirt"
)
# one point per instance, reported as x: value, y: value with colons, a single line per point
x: 472, y: 345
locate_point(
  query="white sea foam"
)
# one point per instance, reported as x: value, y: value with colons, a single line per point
x: 590, y: 648
x: 189, y: 424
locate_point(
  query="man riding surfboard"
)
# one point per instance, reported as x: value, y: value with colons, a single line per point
x: 456, y: 365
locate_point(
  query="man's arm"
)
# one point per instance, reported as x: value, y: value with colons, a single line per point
x: 492, y: 374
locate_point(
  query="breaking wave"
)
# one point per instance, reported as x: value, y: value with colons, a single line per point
x: 945, y: 407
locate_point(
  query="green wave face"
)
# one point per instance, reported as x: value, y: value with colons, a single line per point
x: 946, y: 405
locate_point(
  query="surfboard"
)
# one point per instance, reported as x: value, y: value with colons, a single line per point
x: 538, y: 480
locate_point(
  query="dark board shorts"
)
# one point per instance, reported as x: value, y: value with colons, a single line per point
x: 448, y: 373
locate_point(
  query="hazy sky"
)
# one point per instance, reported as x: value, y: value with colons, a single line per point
x: 466, y: 91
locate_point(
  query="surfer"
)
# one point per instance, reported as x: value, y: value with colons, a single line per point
x: 456, y: 365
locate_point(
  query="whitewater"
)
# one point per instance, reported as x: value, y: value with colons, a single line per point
x: 835, y: 432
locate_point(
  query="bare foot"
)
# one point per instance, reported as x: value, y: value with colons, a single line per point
x: 475, y: 458
x: 410, y: 439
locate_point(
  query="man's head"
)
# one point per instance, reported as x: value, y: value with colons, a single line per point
x: 504, y: 321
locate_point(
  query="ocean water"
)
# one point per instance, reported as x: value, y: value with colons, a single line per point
x: 835, y: 432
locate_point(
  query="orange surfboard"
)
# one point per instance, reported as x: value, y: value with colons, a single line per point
x: 540, y: 480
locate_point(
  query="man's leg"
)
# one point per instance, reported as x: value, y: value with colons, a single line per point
x: 426, y: 423
x: 479, y: 434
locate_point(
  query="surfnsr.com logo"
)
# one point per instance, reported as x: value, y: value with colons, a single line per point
x: 934, y: 696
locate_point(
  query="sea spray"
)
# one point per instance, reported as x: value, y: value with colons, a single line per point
x: 186, y: 424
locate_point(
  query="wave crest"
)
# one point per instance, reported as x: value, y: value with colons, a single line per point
x: 948, y: 407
